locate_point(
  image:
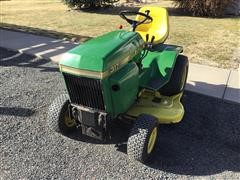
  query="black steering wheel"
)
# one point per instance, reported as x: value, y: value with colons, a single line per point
x: 147, y: 19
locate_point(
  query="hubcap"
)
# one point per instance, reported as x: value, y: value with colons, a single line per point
x: 69, y: 122
x: 152, y: 140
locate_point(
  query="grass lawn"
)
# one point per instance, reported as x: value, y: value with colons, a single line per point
x: 214, y: 42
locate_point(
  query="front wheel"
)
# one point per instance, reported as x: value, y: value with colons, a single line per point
x: 59, y: 116
x: 143, y: 138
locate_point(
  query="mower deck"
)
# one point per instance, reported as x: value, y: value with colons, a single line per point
x: 166, y: 109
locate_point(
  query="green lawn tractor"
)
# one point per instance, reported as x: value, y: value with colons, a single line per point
x: 130, y: 75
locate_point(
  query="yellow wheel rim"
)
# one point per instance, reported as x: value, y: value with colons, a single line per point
x: 69, y: 122
x: 152, y: 140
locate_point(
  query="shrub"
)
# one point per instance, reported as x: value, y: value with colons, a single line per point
x: 213, y: 8
x: 89, y: 3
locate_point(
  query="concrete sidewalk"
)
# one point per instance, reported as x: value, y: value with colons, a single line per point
x: 211, y: 81
x: 45, y: 47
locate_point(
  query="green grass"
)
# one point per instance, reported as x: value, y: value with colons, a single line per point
x: 207, y: 41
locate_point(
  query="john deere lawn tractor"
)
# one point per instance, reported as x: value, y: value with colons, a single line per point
x: 129, y: 75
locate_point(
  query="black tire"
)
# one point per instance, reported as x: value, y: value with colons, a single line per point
x: 57, y: 114
x: 137, y: 145
x: 178, y: 79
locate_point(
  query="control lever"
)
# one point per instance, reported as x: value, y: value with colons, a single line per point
x: 149, y: 44
x: 147, y: 38
x: 153, y: 37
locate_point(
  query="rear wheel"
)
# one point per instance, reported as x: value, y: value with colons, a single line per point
x: 143, y: 138
x: 178, y: 79
x: 59, y: 115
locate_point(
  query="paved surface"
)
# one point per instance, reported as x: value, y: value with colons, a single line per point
x: 45, y: 47
x: 215, y: 82
x: 205, y: 144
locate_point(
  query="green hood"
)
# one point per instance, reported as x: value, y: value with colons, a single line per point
x: 101, y: 53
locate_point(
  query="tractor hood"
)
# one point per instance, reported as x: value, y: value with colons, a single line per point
x: 104, y: 54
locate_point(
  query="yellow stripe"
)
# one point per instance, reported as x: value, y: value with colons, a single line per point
x: 80, y: 72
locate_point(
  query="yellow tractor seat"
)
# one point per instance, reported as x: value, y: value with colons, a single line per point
x: 159, y: 27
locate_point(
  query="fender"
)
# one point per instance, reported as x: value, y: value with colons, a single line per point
x: 158, y: 66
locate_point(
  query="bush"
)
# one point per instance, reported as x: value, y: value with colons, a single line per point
x: 89, y: 3
x: 212, y: 8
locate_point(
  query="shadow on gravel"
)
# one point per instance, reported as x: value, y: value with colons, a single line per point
x: 24, y: 60
x: 119, y: 137
x: 206, y: 142
x: 16, y: 111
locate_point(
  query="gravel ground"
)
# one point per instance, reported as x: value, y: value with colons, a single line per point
x: 205, y: 144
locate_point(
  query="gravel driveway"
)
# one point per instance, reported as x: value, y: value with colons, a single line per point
x: 206, y: 143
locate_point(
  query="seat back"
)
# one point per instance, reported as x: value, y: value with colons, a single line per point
x: 159, y: 27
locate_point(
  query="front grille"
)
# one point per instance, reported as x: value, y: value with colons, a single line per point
x: 85, y: 91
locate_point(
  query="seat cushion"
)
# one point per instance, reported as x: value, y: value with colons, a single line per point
x: 159, y: 27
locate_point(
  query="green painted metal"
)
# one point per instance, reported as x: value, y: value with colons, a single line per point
x: 126, y: 81
x: 101, y: 53
x: 124, y: 88
x: 158, y: 65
